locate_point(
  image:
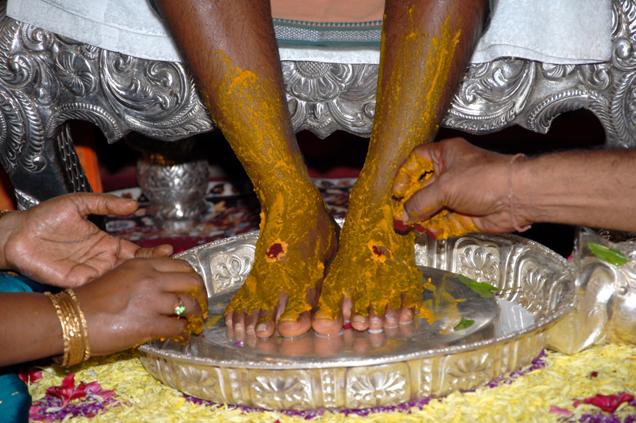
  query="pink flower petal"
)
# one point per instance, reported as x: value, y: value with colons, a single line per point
x: 609, y: 403
x: 558, y: 410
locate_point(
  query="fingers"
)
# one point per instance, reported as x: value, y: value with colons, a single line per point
x: 415, y: 172
x: 167, y: 305
x: 163, y: 250
x: 449, y: 224
x: 169, y: 327
x: 166, y: 264
x: 103, y: 204
x: 424, y: 204
x: 177, y: 283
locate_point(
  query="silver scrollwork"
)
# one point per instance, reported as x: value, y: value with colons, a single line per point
x: 47, y: 79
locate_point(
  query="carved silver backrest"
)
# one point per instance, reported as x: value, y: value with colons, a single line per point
x: 47, y: 80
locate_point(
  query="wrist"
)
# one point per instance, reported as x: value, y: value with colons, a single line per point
x: 518, y: 220
x: 9, y: 222
x: 524, y: 191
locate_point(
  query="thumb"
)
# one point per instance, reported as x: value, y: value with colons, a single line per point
x: 424, y: 203
x: 103, y: 204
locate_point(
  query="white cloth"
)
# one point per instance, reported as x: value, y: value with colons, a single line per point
x: 551, y: 31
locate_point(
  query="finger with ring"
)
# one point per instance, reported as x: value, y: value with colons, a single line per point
x: 180, y: 309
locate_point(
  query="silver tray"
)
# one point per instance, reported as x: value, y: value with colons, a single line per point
x: 361, y: 370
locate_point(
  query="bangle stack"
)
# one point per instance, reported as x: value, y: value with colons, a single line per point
x: 74, y: 327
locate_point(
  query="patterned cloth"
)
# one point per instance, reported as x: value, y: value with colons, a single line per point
x: 552, y: 31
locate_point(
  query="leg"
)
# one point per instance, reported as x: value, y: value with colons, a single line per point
x: 232, y: 52
x: 425, y: 49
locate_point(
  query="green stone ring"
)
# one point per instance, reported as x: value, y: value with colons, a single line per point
x: 180, y: 309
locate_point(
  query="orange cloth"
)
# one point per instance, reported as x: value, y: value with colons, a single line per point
x: 329, y: 10
x: 90, y: 164
x: 6, y: 193
x: 85, y: 150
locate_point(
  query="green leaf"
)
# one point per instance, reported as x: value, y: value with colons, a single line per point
x: 464, y: 324
x: 483, y: 289
x: 607, y: 254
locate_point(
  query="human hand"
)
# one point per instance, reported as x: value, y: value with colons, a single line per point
x: 465, y: 190
x: 135, y: 303
x: 55, y: 243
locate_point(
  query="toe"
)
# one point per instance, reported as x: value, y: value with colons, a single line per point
x: 229, y: 324
x: 406, y: 316
x: 265, y: 326
x: 239, y: 326
x: 290, y: 328
x: 376, y: 323
x: 391, y: 319
x: 347, y: 306
x: 250, y: 324
x: 229, y: 317
x: 326, y: 326
x: 360, y: 322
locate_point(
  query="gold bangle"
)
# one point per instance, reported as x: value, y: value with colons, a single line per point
x: 60, y: 316
x: 83, y: 324
x: 74, y: 327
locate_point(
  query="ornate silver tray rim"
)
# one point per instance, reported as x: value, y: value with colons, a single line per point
x: 541, y: 323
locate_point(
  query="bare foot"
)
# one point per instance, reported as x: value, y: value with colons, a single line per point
x: 373, y: 280
x: 297, y: 240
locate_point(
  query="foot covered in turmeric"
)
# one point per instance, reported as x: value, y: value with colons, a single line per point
x: 373, y: 281
x: 297, y: 239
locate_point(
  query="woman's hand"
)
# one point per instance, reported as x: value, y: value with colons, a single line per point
x: 135, y: 302
x: 469, y: 186
x: 55, y: 243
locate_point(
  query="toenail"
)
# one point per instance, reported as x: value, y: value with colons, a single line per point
x: 262, y: 327
x: 359, y: 319
x: 375, y: 321
x: 376, y: 331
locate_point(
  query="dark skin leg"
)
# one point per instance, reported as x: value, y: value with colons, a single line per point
x: 426, y: 47
x: 236, y: 65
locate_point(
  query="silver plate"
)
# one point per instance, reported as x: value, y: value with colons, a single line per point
x: 359, y: 370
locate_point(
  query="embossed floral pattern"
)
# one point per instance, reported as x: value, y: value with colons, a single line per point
x: 380, y: 387
x: 282, y: 392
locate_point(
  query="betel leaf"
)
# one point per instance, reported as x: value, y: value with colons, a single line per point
x: 464, y: 324
x: 483, y: 289
x: 607, y: 254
